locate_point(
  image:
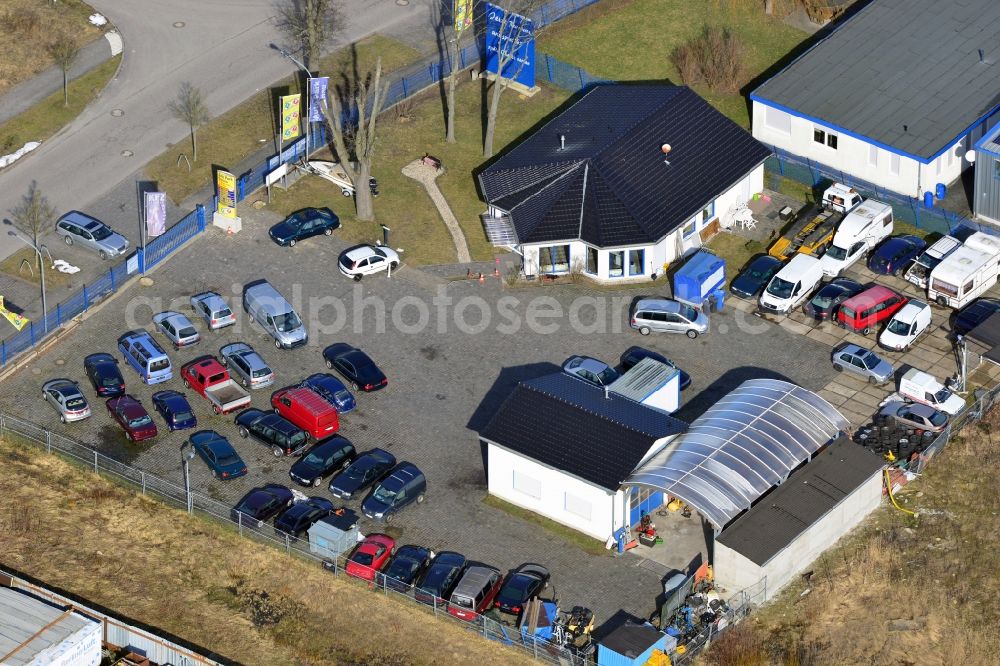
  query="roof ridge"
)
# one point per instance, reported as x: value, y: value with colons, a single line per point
x: 592, y: 412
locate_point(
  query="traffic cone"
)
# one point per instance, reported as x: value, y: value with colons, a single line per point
x: 482, y: 278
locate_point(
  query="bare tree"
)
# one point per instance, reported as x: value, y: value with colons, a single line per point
x: 190, y: 108
x: 368, y: 98
x: 309, y: 25
x: 64, y: 52
x: 453, y: 29
x: 34, y: 215
x: 513, y: 34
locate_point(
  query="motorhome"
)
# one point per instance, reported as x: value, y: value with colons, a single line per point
x: 860, y: 230
x: 920, y: 270
x: 966, y: 272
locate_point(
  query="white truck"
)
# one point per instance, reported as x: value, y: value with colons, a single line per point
x: 861, y: 229
x: 966, y: 272
x: 921, y: 269
x: 792, y: 285
x: 922, y: 387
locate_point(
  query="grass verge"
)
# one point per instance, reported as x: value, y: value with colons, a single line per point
x: 53, y: 279
x: 560, y: 531
x: 736, y: 250
x: 200, y: 581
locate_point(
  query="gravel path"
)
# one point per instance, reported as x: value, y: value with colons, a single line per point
x: 426, y: 175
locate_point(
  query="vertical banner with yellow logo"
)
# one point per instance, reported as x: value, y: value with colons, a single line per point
x: 226, y: 188
x: 463, y: 15
x: 291, y: 105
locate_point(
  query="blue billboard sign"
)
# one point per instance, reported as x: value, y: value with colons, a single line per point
x: 514, y: 35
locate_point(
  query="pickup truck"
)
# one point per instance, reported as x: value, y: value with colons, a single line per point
x: 211, y: 379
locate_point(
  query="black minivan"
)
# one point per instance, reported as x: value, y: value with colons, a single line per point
x: 404, y: 484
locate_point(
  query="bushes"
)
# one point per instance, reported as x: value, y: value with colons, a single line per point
x: 713, y: 58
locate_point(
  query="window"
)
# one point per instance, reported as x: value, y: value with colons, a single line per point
x: 937, y: 165
x: 951, y: 155
x: 968, y: 287
x: 616, y: 264
x: 873, y: 156
x: 894, y: 165
x: 553, y: 259
x: 996, y: 168
x: 819, y: 136
x: 690, y: 228
x: 577, y: 506
x: 638, y: 496
x: 831, y: 141
x: 636, y: 262
x: 527, y: 485
x: 591, y: 260
x: 708, y: 212
x: 778, y: 120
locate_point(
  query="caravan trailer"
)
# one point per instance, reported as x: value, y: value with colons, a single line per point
x: 967, y: 272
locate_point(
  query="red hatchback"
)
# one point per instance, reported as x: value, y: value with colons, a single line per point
x: 132, y: 417
x: 868, y: 309
x: 369, y: 557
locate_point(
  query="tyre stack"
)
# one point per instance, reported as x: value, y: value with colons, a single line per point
x: 885, y: 435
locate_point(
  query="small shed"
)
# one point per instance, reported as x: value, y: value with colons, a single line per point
x: 701, y: 276
x: 634, y: 645
x: 334, y: 534
x: 986, y: 188
x: 34, y: 632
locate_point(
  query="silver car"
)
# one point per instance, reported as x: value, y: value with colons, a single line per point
x: 64, y: 395
x: 79, y: 229
x: 665, y: 315
x: 178, y: 328
x: 247, y: 364
x: 916, y: 415
x: 590, y: 370
x: 862, y: 362
x: 209, y: 306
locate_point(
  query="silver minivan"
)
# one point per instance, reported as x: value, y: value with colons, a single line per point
x: 274, y: 314
x: 665, y: 315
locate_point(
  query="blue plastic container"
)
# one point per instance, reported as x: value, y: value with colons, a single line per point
x: 940, y: 191
x: 928, y: 199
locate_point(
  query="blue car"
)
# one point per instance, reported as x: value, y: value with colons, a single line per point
x: 303, y: 224
x: 299, y: 517
x: 218, y: 454
x: 755, y: 276
x: 260, y: 505
x: 895, y: 254
x: 404, y: 485
x: 175, y: 409
x: 333, y: 390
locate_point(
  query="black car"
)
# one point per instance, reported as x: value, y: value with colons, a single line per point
x: 175, y: 409
x: 633, y: 355
x: 974, y: 314
x: 366, y: 469
x: 323, y: 459
x: 826, y: 301
x: 303, y: 224
x: 519, y: 586
x: 437, y: 583
x: 755, y: 276
x: 283, y: 437
x: 299, y: 517
x: 260, y: 505
x: 404, y: 485
x: 103, y: 373
x: 355, y: 366
x: 406, y: 566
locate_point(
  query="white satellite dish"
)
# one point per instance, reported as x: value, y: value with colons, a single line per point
x: 665, y: 148
x: 970, y: 156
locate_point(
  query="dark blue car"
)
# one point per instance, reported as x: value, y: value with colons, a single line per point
x: 103, y: 373
x: 175, y: 409
x: 355, y: 366
x: 299, y: 517
x: 406, y: 566
x: 323, y: 459
x: 366, y: 469
x: 755, y: 276
x: 303, y: 224
x: 895, y: 254
x: 260, y: 505
x: 333, y: 390
x: 826, y: 301
x: 405, y: 485
x: 218, y: 454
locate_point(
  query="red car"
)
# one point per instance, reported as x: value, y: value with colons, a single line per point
x: 864, y: 312
x: 132, y: 417
x: 369, y: 557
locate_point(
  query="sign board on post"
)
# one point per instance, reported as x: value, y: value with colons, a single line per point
x: 463, y: 15
x: 317, y: 96
x: 508, y: 33
x: 226, y: 187
x: 156, y: 213
x: 290, y: 107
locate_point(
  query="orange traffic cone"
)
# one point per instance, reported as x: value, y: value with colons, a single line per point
x: 482, y: 278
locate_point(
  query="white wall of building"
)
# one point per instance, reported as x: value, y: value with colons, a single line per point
x: 735, y: 572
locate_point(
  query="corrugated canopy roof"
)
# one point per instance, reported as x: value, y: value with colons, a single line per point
x: 739, y: 449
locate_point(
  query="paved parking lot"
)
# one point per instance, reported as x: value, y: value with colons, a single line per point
x: 445, y: 379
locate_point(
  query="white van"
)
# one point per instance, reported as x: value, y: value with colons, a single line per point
x: 921, y: 269
x: 792, y: 285
x: 967, y: 272
x: 924, y: 388
x: 861, y: 230
x: 275, y: 315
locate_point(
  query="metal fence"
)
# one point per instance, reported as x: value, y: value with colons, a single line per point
x: 740, y: 605
x: 984, y: 400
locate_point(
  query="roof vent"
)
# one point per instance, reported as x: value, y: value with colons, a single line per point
x: 665, y: 149
x: 981, y: 59
x: 606, y: 395
x: 904, y: 128
x: 562, y: 142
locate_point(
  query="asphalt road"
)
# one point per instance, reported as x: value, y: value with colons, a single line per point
x: 221, y: 47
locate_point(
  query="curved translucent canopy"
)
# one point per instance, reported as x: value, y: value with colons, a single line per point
x: 744, y: 445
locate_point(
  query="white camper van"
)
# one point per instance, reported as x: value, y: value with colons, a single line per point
x: 861, y: 230
x: 967, y: 272
x: 792, y: 285
x: 920, y: 270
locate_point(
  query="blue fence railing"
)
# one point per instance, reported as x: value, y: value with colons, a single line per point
x: 160, y: 247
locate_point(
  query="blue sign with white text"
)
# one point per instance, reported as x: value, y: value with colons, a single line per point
x: 508, y: 33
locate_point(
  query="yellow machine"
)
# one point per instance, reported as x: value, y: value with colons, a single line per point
x: 808, y: 235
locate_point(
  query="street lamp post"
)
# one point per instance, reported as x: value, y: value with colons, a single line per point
x: 285, y: 54
x: 186, y: 455
x: 41, y: 271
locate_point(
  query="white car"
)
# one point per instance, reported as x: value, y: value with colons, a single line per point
x: 210, y: 306
x: 177, y: 328
x: 906, y: 326
x: 363, y: 260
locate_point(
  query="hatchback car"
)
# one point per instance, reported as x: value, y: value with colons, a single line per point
x: 104, y: 375
x: 260, y: 505
x: 218, y: 454
x: 406, y: 566
x: 282, y: 437
x: 369, y: 467
x: 665, y: 315
x: 440, y: 579
x: 916, y: 415
x: 65, y: 397
x: 755, y: 276
x: 248, y: 366
x: 303, y: 224
x: 862, y: 362
x: 175, y: 409
x: 974, y: 314
x: 299, y: 517
x: 825, y: 302
x: 132, y: 417
x: 590, y: 370
x: 404, y: 485
x: 178, y: 328
x: 355, y: 366
x: 895, y: 254
x: 912, y: 321
x: 209, y: 306
x: 77, y: 228
x: 520, y: 586
x: 328, y: 456
x: 633, y: 355
x: 363, y: 260
x: 475, y: 592
x: 370, y: 556
x: 332, y: 390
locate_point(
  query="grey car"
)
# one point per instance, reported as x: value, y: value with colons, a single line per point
x: 246, y: 364
x: 77, y: 228
x: 64, y: 395
x: 213, y: 309
x: 862, y: 362
x: 665, y: 315
x: 590, y: 370
x: 916, y: 415
x: 178, y: 328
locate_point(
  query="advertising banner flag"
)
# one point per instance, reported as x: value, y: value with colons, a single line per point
x: 226, y: 187
x: 317, y: 97
x: 156, y: 213
x: 517, y: 38
x: 16, y: 320
x: 463, y: 15
x: 290, y: 108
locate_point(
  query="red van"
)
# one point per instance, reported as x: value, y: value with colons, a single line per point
x: 868, y: 309
x: 308, y: 410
